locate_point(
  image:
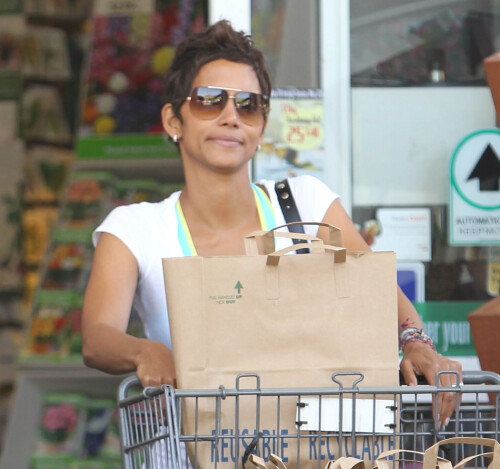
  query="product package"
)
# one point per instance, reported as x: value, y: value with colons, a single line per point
x: 42, y: 115
x: 87, y: 199
x: 111, y: 449
x: 47, y: 169
x: 131, y: 191
x: 98, y: 419
x: 37, y: 224
x: 55, y: 330
x: 61, y: 424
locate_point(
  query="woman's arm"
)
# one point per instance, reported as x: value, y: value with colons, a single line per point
x: 419, y: 358
x: 106, y: 312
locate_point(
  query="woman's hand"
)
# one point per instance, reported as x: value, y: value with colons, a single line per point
x: 421, y: 359
x: 155, y: 364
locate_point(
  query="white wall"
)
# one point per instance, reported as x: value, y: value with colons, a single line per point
x: 403, y: 140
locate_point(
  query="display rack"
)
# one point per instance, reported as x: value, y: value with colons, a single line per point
x: 33, y: 381
x: 50, y: 360
x: 50, y: 363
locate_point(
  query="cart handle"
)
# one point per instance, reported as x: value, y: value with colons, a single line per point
x: 469, y: 377
x: 481, y: 377
x: 355, y: 382
x: 127, y: 384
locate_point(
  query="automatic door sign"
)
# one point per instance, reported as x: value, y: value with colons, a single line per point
x: 475, y: 190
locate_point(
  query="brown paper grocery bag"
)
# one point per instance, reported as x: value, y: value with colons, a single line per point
x: 293, y: 319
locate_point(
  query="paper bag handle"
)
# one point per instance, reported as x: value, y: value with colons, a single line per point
x: 431, y: 453
x: 382, y: 463
x: 257, y: 461
x: 277, y: 461
x: 339, y: 254
x: 345, y: 462
x: 463, y: 462
x: 274, y: 462
x: 334, y: 237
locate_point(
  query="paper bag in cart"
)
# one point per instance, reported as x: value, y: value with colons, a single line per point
x: 293, y: 319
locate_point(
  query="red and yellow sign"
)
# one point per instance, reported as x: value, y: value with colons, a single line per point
x: 302, y: 124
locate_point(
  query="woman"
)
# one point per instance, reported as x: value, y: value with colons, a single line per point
x: 217, y: 92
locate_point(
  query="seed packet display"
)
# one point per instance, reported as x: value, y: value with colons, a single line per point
x: 72, y: 344
x: 111, y: 449
x: 37, y: 224
x: 46, y: 331
x: 11, y: 50
x: 87, y: 199
x: 46, y: 172
x: 42, y: 115
x: 99, y: 413
x: 132, y: 191
x: 61, y: 424
x: 55, y: 330
x: 67, y: 9
x: 66, y: 265
x: 46, y: 53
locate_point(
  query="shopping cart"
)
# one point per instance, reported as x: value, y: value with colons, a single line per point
x: 165, y: 427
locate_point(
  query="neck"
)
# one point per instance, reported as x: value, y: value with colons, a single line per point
x: 218, y: 202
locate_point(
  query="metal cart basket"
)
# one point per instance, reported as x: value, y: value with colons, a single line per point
x: 157, y: 430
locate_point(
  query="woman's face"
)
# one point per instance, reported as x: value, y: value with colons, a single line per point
x: 224, y: 143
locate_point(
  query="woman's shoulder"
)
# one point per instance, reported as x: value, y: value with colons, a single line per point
x: 144, y: 210
x: 137, y: 219
x: 299, y: 184
x: 305, y: 180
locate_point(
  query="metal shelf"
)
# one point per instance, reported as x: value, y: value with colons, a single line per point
x: 162, y: 169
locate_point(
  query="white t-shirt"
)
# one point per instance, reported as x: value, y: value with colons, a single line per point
x: 149, y: 230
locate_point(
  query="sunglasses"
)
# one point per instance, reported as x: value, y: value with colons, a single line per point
x: 207, y: 102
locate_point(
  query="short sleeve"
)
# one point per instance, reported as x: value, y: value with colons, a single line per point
x: 126, y: 223
x: 312, y: 197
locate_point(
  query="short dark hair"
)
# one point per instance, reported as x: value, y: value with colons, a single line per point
x: 217, y: 41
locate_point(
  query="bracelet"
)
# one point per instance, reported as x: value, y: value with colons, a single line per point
x: 412, y: 334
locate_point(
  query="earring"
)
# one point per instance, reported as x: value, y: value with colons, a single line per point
x: 175, y: 138
x: 259, y: 147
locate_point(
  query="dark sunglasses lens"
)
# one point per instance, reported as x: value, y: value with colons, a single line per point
x: 207, y: 103
x: 250, y: 107
x: 246, y: 103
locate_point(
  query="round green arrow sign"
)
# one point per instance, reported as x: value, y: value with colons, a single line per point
x: 486, y: 169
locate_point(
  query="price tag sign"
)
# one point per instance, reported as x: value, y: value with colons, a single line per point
x: 293, y: 143
x: 493, y: 283
x: 123, y: 7
x: 302, y: 124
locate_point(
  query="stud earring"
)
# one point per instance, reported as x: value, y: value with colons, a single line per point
x: 175, y: 138
x: 259, y: 147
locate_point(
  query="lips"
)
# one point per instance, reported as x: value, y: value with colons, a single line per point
x: 227, y: 141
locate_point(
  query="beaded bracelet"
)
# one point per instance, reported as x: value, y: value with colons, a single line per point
x: 412, y: 334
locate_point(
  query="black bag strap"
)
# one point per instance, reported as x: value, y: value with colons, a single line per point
x: 289, y: 209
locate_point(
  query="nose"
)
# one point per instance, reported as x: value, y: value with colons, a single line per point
x: 229, y: 115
